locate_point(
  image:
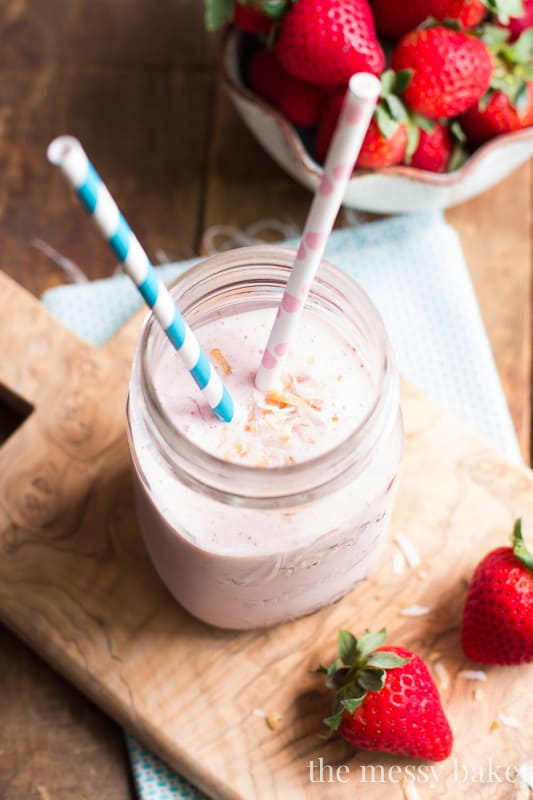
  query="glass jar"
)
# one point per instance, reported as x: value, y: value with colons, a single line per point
x: 313, y: 529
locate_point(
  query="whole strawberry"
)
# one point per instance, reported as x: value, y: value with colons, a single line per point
x: 498, y: 115
x: 498, y: 614
x: 386, y: 700
x: 508, y: 105
x: 299, y: 101
x: 381, y: 150
x: 395, y: 18
x: 451, y: 70
x: 385, y: 142
x: 434, y: 148
x: 326, y: 41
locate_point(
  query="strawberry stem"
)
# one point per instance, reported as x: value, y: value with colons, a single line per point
x: 519, y: 547
x: 364, y: 670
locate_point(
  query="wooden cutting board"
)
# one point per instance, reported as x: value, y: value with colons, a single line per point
x: 76, y: 585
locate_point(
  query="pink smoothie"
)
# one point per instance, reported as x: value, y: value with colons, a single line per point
x: 238, y: 563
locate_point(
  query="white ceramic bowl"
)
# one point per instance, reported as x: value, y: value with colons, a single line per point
x: 388, y: 190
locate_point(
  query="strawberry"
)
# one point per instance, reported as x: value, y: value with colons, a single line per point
x: 498, y: 614
x: 499, y: 115
x: 326, y: 41
x: 395, y: 19
x: 385, y: 142
x: 299, y: 101
x: 379, y: 150
x: 451, y: 70
x: 468, y: 13
x: 386, y: 700
x: 434, y: 148
x: 508, y: 105
x: 251, y: 19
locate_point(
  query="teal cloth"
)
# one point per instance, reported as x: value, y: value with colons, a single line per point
x: 413, y: 268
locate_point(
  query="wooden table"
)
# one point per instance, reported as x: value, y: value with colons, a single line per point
x: 136, y: 81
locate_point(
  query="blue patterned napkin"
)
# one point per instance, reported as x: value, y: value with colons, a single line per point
x: 413, y: 268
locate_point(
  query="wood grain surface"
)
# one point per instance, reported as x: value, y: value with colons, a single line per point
x: 77, y: 586
x: 77, y: 66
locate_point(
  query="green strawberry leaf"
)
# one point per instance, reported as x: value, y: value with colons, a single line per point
x: 413, y: 140
x: 485, y: 100
x: 395, y: 107
x: 493, y: 35
x: 321, y: 670
x: 347, y: 647
x: 457, y: 132
x: 521, y: 51
x: 386, y: 124
x: 336, y: 677
x: 512, y: 85
x: 504, y: 9
x: 519, y: 547
x: 274, y: 8
x: 403, y: 78
x: 334, y: 721
x: 333, y: 667
x: 385, y: 659
x: 217, y: 13
x: 427, y: 125
x: 526, y: 72
x: 370, y: 641
x: 373, y: 680
x: 458, y: 157
x: 388, y: 81
x: 352, y: 703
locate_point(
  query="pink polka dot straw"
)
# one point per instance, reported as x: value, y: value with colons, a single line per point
x: 359, y: 103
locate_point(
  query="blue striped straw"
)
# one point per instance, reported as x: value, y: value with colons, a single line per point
x: 67, y: 153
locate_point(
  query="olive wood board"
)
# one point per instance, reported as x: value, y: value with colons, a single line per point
x: 76, y: 585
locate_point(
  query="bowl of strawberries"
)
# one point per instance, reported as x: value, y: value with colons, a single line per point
x: 456, y: 109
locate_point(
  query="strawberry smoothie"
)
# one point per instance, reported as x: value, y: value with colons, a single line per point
x: 286, y: 508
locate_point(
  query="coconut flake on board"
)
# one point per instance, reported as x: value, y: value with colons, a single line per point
x: 415, y: 611
x: 441, y: 674
x: 509, y: 722
x: 408, y: 549
x: 472, y: 675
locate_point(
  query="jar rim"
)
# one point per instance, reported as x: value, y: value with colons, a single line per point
x: 221, y: 477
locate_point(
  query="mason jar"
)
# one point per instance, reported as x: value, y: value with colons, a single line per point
x: 311, y: 531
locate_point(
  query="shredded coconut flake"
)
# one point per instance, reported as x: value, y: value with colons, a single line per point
x: 443, y: 678
x: 415, y: 611
x: 509, y: 722
x: 472, y: 675
x: 258, y: 712
x: 398, y: 563
x: 410, y: 792
x: 408, y: 549
x: 525, y: 773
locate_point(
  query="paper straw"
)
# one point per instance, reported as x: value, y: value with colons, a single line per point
x: 67, y: 153
x: 361, y: 97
